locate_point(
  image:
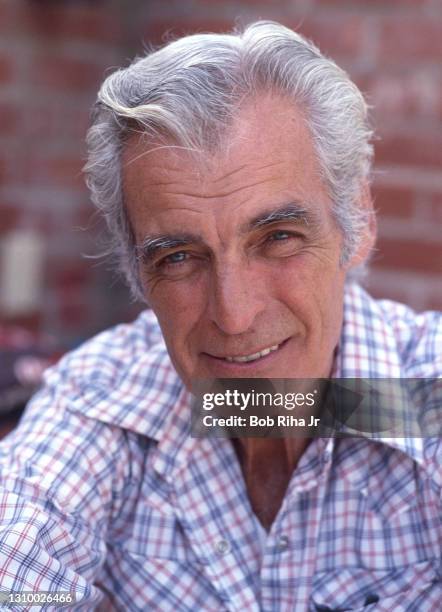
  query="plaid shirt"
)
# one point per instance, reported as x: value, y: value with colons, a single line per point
x: 104, y: 493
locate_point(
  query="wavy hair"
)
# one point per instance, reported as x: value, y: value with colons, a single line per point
x: 187, y: 93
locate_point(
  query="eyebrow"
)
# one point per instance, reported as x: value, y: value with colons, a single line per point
x: 290, y: 212
x: 154, y: 244
x: 293, y: 212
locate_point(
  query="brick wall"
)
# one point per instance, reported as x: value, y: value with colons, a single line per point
x: 54, y: 54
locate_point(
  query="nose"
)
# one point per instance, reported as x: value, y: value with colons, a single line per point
x: 235, y: 299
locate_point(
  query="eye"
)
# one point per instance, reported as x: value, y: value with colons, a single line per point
x: 279, y: 235
x: 175, y: 258
x: 178, y: 264
x: 281, y: 243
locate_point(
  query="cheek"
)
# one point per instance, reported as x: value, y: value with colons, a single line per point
x: 313, y: 292
x: 293, y: 281
x: 287, y: 276
x: 178, y: 307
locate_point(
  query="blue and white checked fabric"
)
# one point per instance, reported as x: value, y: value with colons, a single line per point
x: 104, y: 493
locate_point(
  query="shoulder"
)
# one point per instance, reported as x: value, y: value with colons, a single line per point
x: 415, y: 338
x: 102, y: 360
x: 80, y: 431
x: 418, y: 336
x: 386, y: 332
x: 123, y: 377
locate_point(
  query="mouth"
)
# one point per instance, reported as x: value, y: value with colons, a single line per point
x: 253, y: 356
x: 257, y: 357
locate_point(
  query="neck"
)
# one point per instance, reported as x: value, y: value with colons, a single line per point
x: 257, y: 453
x: 267, y: 465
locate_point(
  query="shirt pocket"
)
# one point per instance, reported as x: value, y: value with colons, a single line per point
x: 158, y: 569
x: 166, y: 585
x: 354, y: 588
x: 157, y: 534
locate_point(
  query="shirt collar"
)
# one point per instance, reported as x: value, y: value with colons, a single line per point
x: 367, y: 346
x: 141, y: 390
x: 368, y: 349
x: 149, y: 398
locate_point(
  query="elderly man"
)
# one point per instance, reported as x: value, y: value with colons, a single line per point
x: 233, y: 174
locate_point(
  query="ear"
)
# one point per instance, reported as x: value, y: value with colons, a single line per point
x: 368, y: 239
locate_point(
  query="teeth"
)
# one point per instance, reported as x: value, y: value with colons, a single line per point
x: 252, y: 357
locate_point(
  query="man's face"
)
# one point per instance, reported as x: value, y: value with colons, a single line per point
x: 241, y: 258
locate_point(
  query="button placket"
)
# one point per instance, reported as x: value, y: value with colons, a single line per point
x: 283, y: 543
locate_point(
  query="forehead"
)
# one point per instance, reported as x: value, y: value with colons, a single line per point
x: 266, y: 156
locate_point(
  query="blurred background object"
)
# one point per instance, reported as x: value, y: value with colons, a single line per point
x: 53, y: 56
x: 24, y: 355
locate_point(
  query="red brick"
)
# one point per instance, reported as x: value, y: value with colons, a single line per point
x: 337, y: 37
x: 55, y: 121
x: 393, y: 201
x: 59, y: 171
x: 9, y: 171
x: 9, y: 14
x: 72, y: 275
x: 341, y: 36
x: 69, y: 74
x: 420, y: 149
x: 391, y: 292
x: 159, y: 32
x: 411, y: 254
x: 74, y: 314
x: 436, y: 198
x: 71, y: 22
x: 9, y: 217
x: 43, y: 218
x: 440, y: 99
x: 369, y: 6
x: 435, y: 209
x: 6, y: 70
x: 425, y: 294
x: 414, y: 93
x: 9, y: 118
x: 404, y: 40
x: 254, y: 3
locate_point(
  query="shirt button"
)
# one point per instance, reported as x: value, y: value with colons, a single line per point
x: 283, y: 542
x: 223, y: 547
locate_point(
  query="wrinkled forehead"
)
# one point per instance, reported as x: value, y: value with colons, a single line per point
x: 265, y: 130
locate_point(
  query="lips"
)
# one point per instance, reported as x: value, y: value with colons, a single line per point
x: 247, y: 358
x: 253, y: 356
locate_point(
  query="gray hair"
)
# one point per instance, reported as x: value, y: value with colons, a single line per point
x: 187, y: 93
